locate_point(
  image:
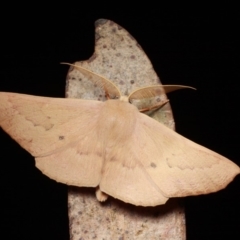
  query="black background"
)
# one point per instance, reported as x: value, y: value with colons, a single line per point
x: 196, y: 48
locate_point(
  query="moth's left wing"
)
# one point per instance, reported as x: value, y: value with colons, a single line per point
x: 155, y: 163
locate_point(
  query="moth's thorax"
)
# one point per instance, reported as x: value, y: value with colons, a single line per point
x: 117, y: 119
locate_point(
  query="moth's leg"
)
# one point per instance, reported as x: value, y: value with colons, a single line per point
x: 155, y: 107
x: 107, y: 95
x: 101, y: 196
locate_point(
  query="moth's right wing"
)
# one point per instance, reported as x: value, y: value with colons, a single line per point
x: 58, y: 132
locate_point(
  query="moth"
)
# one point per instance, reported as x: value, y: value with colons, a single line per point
x: 112, y: 146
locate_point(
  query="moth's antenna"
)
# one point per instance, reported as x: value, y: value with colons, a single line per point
x: 109, y: 87
x: 155, y: 90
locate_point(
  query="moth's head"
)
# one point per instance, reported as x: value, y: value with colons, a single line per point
x: 124, y: 98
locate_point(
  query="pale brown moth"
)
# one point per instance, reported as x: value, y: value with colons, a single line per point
x: 111, y: 145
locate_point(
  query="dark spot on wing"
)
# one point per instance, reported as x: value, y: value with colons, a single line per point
x: 82, y: 153
x: 61, y: 137
x: 99, y: 154
x: 113, y: 159
x: 153, y: 165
